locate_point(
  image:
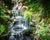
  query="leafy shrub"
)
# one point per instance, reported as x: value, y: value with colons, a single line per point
x: 27, y: 14
x: 43, y: 30
x: 3, y: 19
x: 2, y: 29
x: 2, y: 12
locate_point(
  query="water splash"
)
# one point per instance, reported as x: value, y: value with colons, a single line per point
x: 12, y: 37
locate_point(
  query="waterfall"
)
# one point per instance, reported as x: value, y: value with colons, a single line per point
x: 19, y: 24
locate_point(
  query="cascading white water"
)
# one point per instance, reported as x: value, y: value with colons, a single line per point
x: 20, y: 24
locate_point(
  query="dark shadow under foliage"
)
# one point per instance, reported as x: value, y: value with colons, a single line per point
x: 46, y: 7
x: 7, y: 3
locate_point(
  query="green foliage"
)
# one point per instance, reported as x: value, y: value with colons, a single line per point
x: 46, y: 37
x: 35, y: 6
x: 2, y: 29
x: 42, y: 28
x: 3, y: 16
x: 27, y: 14
x: 3, y: 19
x: 2, y: 13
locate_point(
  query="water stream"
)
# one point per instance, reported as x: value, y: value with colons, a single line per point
x: 18, y: 25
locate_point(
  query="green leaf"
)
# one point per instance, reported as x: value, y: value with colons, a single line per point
x: 2, y: 28
x: 27, y: 14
